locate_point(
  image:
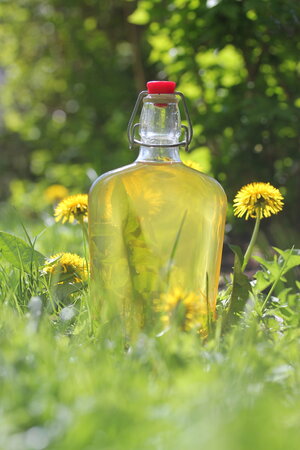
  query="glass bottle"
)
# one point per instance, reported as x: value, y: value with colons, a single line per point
x: 156, y: 226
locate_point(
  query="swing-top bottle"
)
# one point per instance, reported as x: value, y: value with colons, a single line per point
x: 156, y: 226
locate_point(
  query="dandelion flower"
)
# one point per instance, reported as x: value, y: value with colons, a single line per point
x: 193, y: 165
x: 191, y: 306
x: 66, y: 267
x: 152, y: 199
x: 74, y: 207
x: 55, y: 193
x: 257, y: 200
x: 143, y: 200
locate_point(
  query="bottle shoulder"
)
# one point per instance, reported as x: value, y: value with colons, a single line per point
x: 202, y: 180
x: 161, y: 176
x: 210, y: 180
x: 111, y: 176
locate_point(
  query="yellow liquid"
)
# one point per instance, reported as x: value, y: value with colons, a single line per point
x: 154, y: 227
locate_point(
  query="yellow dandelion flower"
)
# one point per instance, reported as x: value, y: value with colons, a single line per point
x: 152, y: 199
x: 193, y: 308
x: 66, y: 267
x: 193, y: 165
x: 74, y: 207
x: 55, y: 193
x: 257, y: 200
x: 143, y: 200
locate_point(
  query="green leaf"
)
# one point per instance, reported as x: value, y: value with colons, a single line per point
x: 240, y: 288
x: 273, y: 269
x: 139, y: 17
x: 287, y: 296
x: 293, y: 257
x: 178, y: 234
x: 18, y: 253
x: 64, y: 290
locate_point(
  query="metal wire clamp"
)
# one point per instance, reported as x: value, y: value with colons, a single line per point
x: 188, y: 130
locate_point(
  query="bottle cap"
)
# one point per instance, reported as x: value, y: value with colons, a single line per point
x: 161, y: 87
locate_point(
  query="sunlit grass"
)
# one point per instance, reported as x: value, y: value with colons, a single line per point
x: 62, y: 388
x: 67, y: 383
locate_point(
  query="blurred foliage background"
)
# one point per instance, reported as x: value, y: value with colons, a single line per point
x: 70, y: 72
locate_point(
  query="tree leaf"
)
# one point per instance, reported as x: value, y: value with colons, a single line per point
x: 18, y: 253
x: 139, y: 17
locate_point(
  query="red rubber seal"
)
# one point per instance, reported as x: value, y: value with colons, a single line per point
x: 161, y: 87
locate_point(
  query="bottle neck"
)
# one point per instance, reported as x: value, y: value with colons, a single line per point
x: 160, y: 125
x: 159, y: 154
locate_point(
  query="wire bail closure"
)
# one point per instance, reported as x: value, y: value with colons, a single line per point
x: 188, y: 130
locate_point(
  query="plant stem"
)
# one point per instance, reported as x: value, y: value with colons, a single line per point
x: 252, y: 242
x: 85, y: 240
x: 85, y: 236
x: 84, y: 230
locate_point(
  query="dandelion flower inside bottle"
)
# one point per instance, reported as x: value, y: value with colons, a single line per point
x: 155, y: 226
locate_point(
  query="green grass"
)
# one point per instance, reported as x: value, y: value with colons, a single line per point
x: 63, y: 387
